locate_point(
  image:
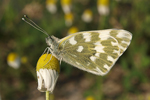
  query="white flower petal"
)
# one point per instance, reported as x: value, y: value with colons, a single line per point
x: 66, y: 9
x: 47, y: 79
x: 51, y: 77
x: 39, y: 80
x: 87, y: 18
x: 51, y: 8
x: 15, y: 64
x: 42, y: 88
x: 55, y: 75
x: 103, y: 10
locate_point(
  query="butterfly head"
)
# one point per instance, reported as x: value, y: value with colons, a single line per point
x: 49, y: 41
x: 52, y: 42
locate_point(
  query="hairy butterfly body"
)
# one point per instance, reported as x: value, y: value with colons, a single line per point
x: 92, y: 51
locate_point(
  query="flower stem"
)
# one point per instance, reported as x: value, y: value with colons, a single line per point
x: 51, y: 96
x: 32, y: 70
x: 47, y: 95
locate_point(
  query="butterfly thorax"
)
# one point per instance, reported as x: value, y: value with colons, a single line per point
x: 52, y: 42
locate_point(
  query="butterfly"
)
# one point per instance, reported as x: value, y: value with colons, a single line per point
x: 92, y: 51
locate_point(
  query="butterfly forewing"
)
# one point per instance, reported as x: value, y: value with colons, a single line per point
x: 94, y: 51
x: 122, y: 36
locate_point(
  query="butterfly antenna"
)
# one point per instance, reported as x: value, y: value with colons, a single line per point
x: 33, y: 24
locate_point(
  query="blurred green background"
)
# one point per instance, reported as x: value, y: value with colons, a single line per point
x: 129, y: 79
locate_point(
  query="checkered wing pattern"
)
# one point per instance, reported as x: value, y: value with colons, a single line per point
x: 94, y: 51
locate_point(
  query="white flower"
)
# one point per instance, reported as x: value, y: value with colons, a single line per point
x: 66, y: 6
x: 87, y: 16
x: 66, y: 9
x: 47, y: 72
x: 68, y: 19
x: 103, y: 10
x: 103, y: 7
x: 51, y: 6
x: 13, y: 60
x: 47, y: 79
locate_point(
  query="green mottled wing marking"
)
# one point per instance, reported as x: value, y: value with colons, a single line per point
x: 123, y: 37
x: 94, y: 51
x: 99, y: 64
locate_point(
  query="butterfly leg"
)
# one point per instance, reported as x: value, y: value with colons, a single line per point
x: 47, y: 49
x: 60, y: 60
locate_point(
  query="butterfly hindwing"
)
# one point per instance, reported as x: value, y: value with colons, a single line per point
x: 94, y: 51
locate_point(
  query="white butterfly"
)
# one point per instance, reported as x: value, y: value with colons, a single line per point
x: 92, y: 51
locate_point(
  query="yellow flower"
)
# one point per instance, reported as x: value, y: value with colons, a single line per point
x: 51, y: 1
x: 65, y: 2
x: 47, y: 72
x: 72, y: 30
x: 68, y: 19
x: 87, y: 16
x: 89, y: 98
x: 13, y: 60
x: 24, y: 60
x: 103, y: 2
x: 103, y: 7
x: 66, y: 6
x: 51, y: 6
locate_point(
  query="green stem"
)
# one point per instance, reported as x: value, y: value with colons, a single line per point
x: 51, y: 96
x: 47, y: 95
x: 32, y: 70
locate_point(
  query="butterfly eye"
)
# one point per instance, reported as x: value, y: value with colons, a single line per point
x: 50, y: 38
